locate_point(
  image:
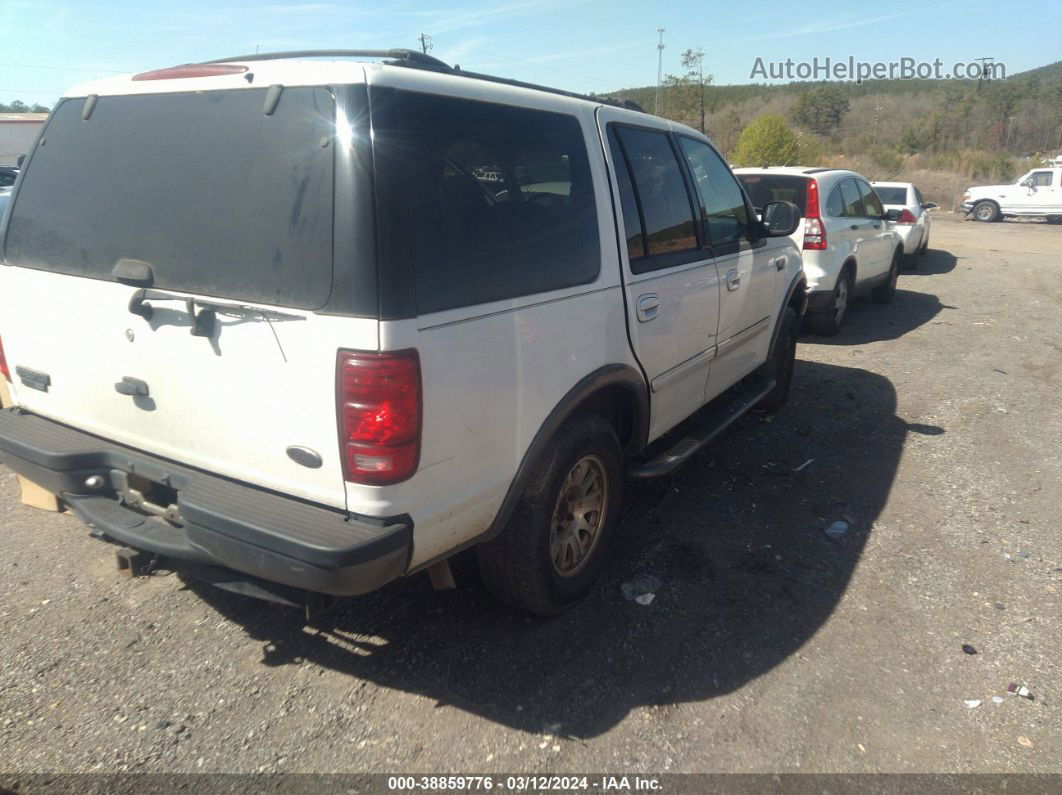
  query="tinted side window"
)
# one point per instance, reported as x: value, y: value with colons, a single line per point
x: 853, y: 204
x: 835, y: 204
x: 722, y: 203
x: 666, y: 212
x: 499, y: 200
x: 1042, y: 179
x: 632, y: 223
x: 871, y: 202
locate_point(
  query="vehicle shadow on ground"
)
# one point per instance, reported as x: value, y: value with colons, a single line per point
x: 736, y: 537
x: 932, y: 262
x: 870, y: 322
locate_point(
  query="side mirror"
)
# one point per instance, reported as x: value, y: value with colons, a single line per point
x: 893, y: 215
x: 1027, y: 183
x: 930, y: 206
x: 780, y: 218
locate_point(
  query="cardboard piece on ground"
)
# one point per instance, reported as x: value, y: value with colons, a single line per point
x: 36, y: 497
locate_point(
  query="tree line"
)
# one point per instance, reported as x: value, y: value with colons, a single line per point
x: 977, y: 128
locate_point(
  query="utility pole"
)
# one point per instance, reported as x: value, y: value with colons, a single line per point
x: 1010, y: 126
x: 659, y: 68
x: 981, y: 73
x: 425, y: 42
x: 877, y: 111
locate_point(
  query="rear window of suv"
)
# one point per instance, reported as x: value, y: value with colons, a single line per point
x: 765, y: 188
x: 219, y: 198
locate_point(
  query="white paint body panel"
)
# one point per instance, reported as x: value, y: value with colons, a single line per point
x: 230, y: 404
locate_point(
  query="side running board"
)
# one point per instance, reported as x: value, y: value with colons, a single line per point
x: 672, y: 450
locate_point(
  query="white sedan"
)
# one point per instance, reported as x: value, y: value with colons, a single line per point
x: 914, y: 221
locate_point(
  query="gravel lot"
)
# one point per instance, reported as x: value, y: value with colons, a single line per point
x: 932, y: 426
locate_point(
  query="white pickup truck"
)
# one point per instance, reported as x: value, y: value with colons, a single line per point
x: 1037, y: 193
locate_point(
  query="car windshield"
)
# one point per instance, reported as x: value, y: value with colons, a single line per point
x: 765, y: 188
x: 891, y: 195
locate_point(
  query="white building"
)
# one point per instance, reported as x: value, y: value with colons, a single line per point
x: 18, y: 131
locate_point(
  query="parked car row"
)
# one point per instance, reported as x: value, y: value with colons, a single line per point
x: 853, y: 242
x: 465, y: 326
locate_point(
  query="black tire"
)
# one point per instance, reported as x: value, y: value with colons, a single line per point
x: 985, y: 211
x: 783, y: 358
x: 829, y: 322
x: 518, y: 566
x: 886, y: 291
x: 1054, y: 219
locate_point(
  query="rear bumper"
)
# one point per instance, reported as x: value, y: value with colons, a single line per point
x: 222, y: 523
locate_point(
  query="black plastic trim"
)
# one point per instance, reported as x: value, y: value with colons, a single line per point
x: 355, y: 280
x: 799, y: 282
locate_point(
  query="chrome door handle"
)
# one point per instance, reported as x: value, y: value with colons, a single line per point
x: 733, y: 279
x: 648, y: 307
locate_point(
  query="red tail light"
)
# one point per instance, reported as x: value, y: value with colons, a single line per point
x: 192, y: 70
x: 906, y: 217
x: 814, y: 231
x: 379, y: 406
x: 3, y: 363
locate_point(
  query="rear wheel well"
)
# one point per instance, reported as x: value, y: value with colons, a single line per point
x: 618, y: 407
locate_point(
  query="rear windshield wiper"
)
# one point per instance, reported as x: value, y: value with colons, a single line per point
x: 203, y: 321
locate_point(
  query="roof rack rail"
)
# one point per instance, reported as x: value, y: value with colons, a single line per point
x: 419, y: 60
x: 409, y: 57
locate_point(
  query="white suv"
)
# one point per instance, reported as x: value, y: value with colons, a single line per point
x: 310, y: 326
x: 849, y: 242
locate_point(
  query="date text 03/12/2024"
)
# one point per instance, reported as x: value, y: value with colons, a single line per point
x: 523, y: 783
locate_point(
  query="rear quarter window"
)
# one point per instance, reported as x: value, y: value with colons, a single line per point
x: 219, y: 198
x: 498, y: 200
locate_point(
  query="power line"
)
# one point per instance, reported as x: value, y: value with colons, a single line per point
x: 63, y: 68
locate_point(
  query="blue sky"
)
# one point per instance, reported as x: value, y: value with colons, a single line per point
x: 581, y: 45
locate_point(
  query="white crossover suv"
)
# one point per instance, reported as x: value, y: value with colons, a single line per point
x: 333, y: 321
x: 848, y: 239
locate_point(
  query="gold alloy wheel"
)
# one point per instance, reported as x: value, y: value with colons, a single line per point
x: 578, y: 516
